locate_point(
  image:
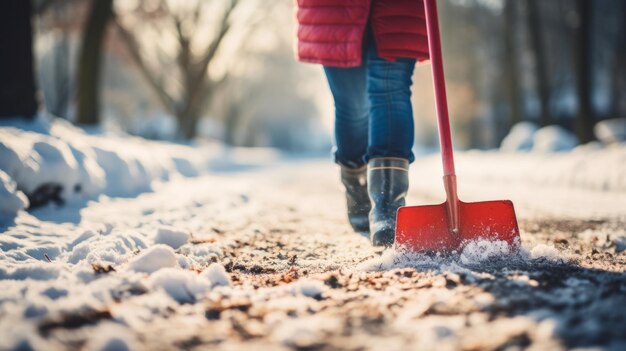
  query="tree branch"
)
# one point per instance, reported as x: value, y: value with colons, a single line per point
x: 131, y: 45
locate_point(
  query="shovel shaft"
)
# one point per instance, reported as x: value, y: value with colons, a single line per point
x: 436, y: 60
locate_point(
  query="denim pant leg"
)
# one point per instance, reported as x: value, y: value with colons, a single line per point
x: 348, y: 86
x: 391, y: 120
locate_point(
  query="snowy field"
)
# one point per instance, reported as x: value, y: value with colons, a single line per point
x: 155, y: 246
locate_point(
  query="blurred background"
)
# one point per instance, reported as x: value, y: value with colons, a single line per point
x: 224, y: 70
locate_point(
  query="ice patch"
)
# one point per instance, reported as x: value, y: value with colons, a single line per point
x: 171, y: 237
x: 155, y: 258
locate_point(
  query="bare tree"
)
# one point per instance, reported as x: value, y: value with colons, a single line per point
x: 197, y: 85
x: 535, y: 28
x: 17, y: 81
x: 89, y: 65
x: 511, y: 67
x: 585, y: 117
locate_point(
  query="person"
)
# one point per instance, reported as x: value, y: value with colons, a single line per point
x: 368, y: 49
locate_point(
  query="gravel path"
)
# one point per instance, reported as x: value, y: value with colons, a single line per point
x: 300, y: 279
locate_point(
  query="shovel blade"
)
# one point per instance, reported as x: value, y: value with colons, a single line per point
x: 427, y: 228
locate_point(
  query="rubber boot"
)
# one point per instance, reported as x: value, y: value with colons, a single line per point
x: 355, y: 181
x: 388, y: 183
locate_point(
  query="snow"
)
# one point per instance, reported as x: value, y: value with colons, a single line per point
x: 520, y: 138
x: 111, y: 337
x: 151, y: 260
x: 527, y: 136
x: 245, y: 255
x: 44, y: 153
x: 11, y: 200
x: 611, y: 130
x: 216, y: 274
x: 553, y: 139
x: 171, y: 237
x: 477, y: 251
x: 543, y: 251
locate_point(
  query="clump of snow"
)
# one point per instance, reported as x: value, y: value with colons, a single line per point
x: 397, y: 258
x: 520, y: 138
x: 554, y: 139
x: 546, y: 252
x: 305, y: 332
x: 171, y: 237
x: 153, y: 259
x: 186, y: 286
x: 217, y: 275
x: 11, y: 199
x: 477, y: 251
x: 180, y: 285
x: 620, y: 243
x: 611, y: 130
x: 111, y: 337
x: 308, y: 287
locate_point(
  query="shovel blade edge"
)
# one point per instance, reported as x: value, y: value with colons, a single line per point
x: 427, y: 228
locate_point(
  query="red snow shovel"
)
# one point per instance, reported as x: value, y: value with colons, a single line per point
x: 447, y: 227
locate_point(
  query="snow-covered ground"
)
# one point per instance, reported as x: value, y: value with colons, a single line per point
x: 197, y: 249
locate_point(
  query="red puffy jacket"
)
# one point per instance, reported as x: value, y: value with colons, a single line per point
x: 331, y: 32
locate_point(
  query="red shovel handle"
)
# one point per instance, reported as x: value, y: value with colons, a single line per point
x: 436, y: 60
x: 445, y: 139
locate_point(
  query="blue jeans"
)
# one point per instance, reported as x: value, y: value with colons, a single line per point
x: 373, y: 112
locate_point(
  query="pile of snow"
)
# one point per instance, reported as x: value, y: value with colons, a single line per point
x: 526, y: 136
x: 53, y: 161
x: 611, y: 130
x: 520, y: 138
x: 554, y: 139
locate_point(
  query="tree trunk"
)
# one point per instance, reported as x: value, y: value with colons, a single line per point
x: 585, y: 118
x: 90, y: 61
x: 17, y: 78
x: 536, y: 42
x: 511, y: 63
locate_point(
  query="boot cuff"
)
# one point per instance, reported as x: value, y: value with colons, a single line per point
x: 381, y: 163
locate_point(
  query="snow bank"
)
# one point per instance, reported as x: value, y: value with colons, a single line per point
x: 526, y: 136
x: 11, y: 199
x: 520, y: 138
x: 57, y: 162
x: 611, y: 130
x: 554, y: 139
